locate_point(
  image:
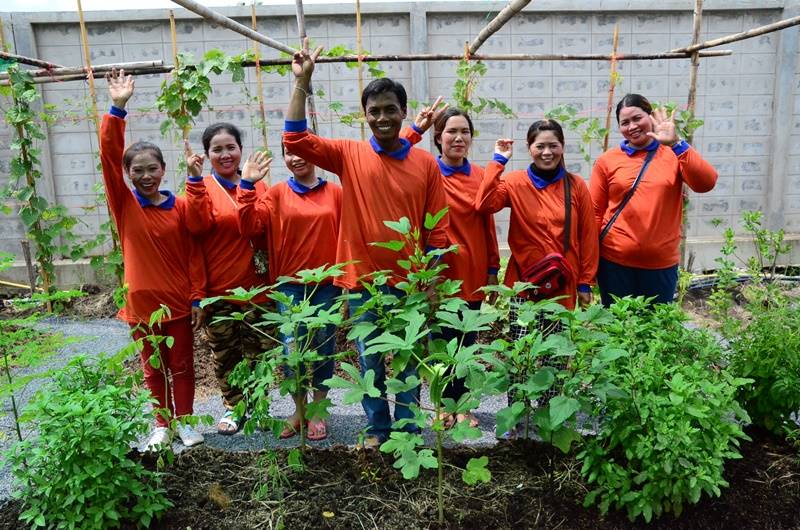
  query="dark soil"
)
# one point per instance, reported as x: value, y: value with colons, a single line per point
x: 533, y: 486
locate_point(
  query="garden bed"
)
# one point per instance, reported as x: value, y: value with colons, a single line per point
x: 533, y: 486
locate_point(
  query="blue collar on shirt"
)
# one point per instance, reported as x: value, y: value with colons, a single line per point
x: 301, y: 189
x: 225, y: 182
x: 400, y: 154
x: 630, y: 150
x: 166, y: 204
x: 450, y: 170
x: 539, y: 183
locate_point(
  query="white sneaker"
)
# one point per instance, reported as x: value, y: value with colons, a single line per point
x: 188, y: 435
x: 161, y: 436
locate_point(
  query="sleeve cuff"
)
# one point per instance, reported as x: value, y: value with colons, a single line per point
x: 118, y: 112
x: 295, y: 125
x: 247, y: 185
x: 680, y: 147
x: 417, y: 129
x: 493, y: 271
x: 194, y: 180
x: 584, y: 288
x: 500, y: 158
x: 195, y: 303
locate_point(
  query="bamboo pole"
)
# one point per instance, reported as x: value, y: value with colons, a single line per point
x: 97, y: 69
x: 232, y: 25
x: 311, y: 106
x: 75, y: 73
x: 359, y: 52
x: 3, y: 47
x: 514, y: 7
x: 93, y: 94
x: 260, y: 86
x: 735, y: 37
x: 28, y: 60
x: 612, y: 85
x: 691, y: 103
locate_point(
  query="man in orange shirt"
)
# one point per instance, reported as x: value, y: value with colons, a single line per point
x: 382, y: 179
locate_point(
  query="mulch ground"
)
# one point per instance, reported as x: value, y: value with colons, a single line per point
x: 533, y: 486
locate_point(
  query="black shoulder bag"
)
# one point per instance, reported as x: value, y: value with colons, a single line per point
x: 647, y: 159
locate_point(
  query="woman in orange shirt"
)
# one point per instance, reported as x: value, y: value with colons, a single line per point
x: 640, y: 236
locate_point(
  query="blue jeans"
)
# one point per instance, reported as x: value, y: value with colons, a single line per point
x: 619, y: 280
x: 324, y: 339
x: 379, y: 421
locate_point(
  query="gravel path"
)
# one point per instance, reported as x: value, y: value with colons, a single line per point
x: 108, y: 335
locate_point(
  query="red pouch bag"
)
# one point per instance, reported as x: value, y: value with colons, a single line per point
x: 551, y: 275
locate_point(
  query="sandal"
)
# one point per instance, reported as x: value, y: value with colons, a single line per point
x: 317, y: 430
x: 229, y: 424
x: 290, y: 429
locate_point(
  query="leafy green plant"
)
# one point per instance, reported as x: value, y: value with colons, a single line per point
x: 274, y: 480
x: 76, y: 473
x: 686, y: 123
x: 667, y: 430
x: 588, y: 128
x: 468, y: 77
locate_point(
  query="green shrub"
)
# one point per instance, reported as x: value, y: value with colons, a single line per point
x: 665, y: 435
x: 76, y: 473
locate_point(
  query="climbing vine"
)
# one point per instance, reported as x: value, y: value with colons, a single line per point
x: 468, y: 77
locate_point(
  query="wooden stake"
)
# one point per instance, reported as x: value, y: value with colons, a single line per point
x: 28, y: 60
x: 232, y: 25
x: 612, y: 85
x: 26, y: 254
x: 90, y: 78
x: 735, y: 37
x: 311, y: 108
x: 97, y: 69
x: 174, y: 36
x: 3, y: 46
x: 691, y: 103
x: 260, y: 86
x: 514, y: 7
x: 359, y: 52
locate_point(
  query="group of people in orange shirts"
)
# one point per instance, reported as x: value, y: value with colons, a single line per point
x: 622, y: 231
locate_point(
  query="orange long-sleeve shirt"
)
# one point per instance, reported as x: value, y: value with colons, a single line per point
x: 376, y: 187
x: 647, y: 233
x: 474, y: 232
x: 212, y: 217
x: 163, y: 264
x: 537, y: 223
x: 301, y: 229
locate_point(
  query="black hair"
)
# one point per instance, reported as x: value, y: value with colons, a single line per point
x: 216, y: 128
x: 381, y: 86
x: 545, y: 125
x: 142, y: 147
x: 441, y: 123
x: 634, y: 100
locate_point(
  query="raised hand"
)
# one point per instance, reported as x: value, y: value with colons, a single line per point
x: 120, y: 87
x: 428, y: 115
x: 194, y: 162
x: 664, y: 127
x: 256, y: 167
x: 303, y: 61
x: 504, y: 147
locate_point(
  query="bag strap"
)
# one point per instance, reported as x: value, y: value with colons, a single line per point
x: 627, y: 198
x: 567, y: 212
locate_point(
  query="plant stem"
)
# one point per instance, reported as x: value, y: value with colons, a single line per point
x: 440, y: 470
x: 14, y: 409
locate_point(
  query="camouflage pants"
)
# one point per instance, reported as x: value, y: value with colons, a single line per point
x: 547, y: 327
x: 231, y: 341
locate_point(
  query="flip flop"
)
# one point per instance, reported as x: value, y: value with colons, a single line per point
x: 229, y: 419
x: 317, y: 430
x: 289, y: 430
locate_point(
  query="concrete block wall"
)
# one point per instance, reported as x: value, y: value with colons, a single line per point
x: 750, y: 101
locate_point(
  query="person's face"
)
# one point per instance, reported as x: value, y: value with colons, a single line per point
x: 546, y: 150
x: 224, y: 154
x: 456, y: 138
x: 385, y: 117
x: 634, y: 124
x: 299, y: 167
x: 146, y: 173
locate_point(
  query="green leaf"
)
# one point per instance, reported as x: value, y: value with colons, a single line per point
x: 476, y: 471
x: 561, y: 409
x: 432, y: 220
x: 563, y: 438
x: 508, y: 418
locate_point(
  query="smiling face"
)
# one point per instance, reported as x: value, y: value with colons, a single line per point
x: 634, y: 124
x: 146, y: 173
x: 456, y: 139
x: 224, y: 154
x: 546, y: 150
x: 385, y: 119
x: 300, y: 168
